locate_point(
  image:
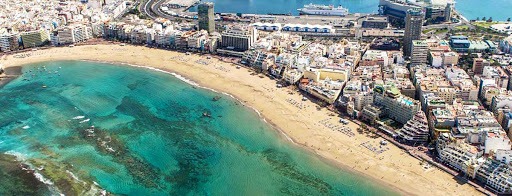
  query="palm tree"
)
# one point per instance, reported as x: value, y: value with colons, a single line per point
x: 508, y: 19
x: 364, y: 127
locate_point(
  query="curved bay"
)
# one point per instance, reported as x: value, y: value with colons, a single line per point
x: 150, y: 137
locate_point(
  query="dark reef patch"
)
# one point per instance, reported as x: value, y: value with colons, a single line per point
x: 284, y: 165
x: 193, y: 165
x: 16, y: 179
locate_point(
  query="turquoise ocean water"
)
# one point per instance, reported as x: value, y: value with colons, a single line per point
x: 471, y: 9
x: 497, y: 9
x: 150, y: 138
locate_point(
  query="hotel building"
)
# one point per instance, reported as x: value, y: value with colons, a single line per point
x: 34, y: 38
x: 396, y: 106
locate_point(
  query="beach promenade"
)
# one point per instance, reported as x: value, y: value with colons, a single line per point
x: 301, y: 122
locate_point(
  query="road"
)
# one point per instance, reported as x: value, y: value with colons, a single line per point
x: 146, y: 7
x: 151, y: 9
x: 462, y: 21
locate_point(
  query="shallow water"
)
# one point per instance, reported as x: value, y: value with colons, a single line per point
x: 150, y: 137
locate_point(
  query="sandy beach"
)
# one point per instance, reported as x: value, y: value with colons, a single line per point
x: 300, y: 121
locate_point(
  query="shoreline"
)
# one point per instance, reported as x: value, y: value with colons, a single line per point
x: 282, y: 134
x: 315, y: 141
x: 10, y: 73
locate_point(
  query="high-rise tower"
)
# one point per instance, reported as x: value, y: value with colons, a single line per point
x: 413, y: 23
x: 448, y: 12
x: 206, y: 17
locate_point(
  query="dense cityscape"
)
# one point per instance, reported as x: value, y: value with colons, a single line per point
x: 421, y: 75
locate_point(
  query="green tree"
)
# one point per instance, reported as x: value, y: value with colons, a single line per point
x: 508, y: 19
x: 477, y: 18
x: 490, y: 19
x: 484, y: 18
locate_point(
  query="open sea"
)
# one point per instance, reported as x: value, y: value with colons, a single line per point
x: 471, y: 9
x: 85, y: 127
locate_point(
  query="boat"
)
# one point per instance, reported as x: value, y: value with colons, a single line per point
x: 86, y: 120
x: 324, y: 10
x: 78, y: 117
x: 206, y: 114
x: 216, y: 98
x: 26, y: 127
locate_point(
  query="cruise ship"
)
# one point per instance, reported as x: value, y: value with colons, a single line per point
x: 325, y: 10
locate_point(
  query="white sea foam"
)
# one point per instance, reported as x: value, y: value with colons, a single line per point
x: 94, y: 187
x: 42, y: 179
x: 48, y: 182
x: 19, y: 156
x: 74, y: 177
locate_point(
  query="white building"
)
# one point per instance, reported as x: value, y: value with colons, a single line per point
x: 9, y: 42
x: 65, y: 35
x: 307, y: 28
x: 362, y: 99
x: 496, y: 140
x: 495, y: 175
x: 415, y: 131
x: 458, y: 155
x: 361, y: 32
x: 419, y: 52
x: 450, y: 58
x: 505, y: 156
x: 267, y: 26
x: 239, y: 38
x: 506, y: 45
x: 436, y: 59
x: 292, y: 76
